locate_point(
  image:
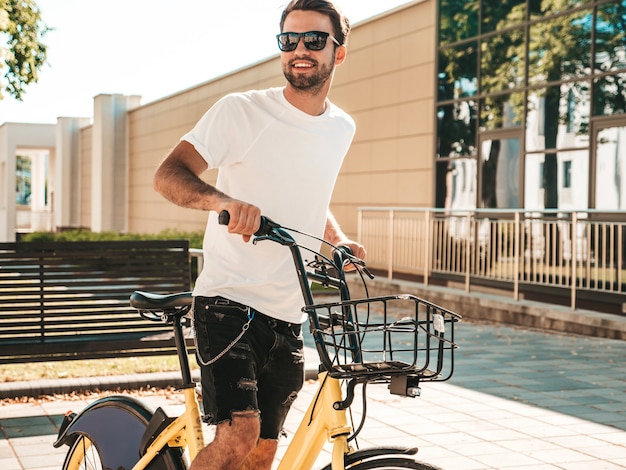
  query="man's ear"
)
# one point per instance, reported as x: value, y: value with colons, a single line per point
x: 340, y: 55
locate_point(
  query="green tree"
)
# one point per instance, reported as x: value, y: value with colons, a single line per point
x: 22, y: 54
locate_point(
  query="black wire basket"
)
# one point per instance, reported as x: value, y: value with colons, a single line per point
x: 381, y: 337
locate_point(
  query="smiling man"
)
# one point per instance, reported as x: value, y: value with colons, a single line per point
x: 278, y: 152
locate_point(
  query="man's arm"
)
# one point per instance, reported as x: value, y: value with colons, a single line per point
x: 178, y: 180
x: 333, y: 234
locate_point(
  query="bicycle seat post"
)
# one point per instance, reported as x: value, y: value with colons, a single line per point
x: 181, y: 350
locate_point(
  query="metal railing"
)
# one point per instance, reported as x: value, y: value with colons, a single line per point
x: 575, y: 250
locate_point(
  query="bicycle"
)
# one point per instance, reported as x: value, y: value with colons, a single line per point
x: 359, y: 341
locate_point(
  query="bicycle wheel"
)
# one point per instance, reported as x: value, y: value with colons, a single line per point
x: 107, y: 435
x: 82, y: 455
x: 391, y: 463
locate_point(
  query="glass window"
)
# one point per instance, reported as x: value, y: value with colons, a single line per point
x: 502, y: 62
x: 500, y: 173
x: 456, y: 133
x: 497, y: 112
x: 457, y: 20
x: 560, y: 48
x: 567, y: 174
x: 540, y: 8
x: 457, y: 71
x: 611, y: 169
x: 544, y: 189
x: 456, y: 180
x: 500, y: 14
x: 609, y: 95
x: 558, y: 117
x: 533, y: 182
x: 610, y: 37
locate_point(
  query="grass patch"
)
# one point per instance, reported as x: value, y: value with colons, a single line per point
x: 89, y: 368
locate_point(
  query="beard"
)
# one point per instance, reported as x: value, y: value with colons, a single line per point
x: 312, y: 83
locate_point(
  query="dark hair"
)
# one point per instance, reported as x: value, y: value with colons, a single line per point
x: 341, y: 25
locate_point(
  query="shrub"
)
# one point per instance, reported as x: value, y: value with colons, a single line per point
x: 80, y: 235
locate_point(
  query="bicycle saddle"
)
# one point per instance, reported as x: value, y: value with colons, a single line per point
x: 151, y: 301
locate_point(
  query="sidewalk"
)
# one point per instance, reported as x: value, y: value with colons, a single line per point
x: 519, y: 399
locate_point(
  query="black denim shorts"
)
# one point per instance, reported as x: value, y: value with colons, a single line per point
x: 263, y: 371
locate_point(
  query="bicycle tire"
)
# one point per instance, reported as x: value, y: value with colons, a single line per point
x: 392, y: 463
x: 84, y: 453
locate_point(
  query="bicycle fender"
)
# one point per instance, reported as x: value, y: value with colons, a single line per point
x: 373, y: 452
x: 115, y: 425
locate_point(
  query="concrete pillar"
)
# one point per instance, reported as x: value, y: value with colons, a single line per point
x: 109, y: 202
x: 7, y: 185
x: 66, y: 165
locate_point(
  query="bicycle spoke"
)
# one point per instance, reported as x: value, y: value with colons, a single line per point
x: 83, y: 456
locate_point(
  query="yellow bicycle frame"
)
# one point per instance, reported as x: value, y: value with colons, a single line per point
x: 184, y: 431
x: 320, y: 423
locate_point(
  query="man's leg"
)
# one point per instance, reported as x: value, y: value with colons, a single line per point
x: 234, y: 443
x: 262, y: 456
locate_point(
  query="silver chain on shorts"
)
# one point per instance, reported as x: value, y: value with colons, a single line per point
x: 244, y: 328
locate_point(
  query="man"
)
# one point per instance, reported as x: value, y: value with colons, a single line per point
x: 278, y: 152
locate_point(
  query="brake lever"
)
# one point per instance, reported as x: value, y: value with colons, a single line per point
x: 359, y: 263
x: 276, y: 237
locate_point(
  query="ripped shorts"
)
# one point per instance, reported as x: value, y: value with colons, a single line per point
x: 263, y: 371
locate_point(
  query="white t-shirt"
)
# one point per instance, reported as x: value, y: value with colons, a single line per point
x: 284, y: 161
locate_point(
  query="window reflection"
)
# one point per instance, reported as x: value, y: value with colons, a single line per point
x: 611, y: 169
x: 609, y: 95
x: 610, y: 42
x: 457, y: 20
x: 558, y: 117
x: 497, y: 112
x: 500, y: 173
x: 502, y: 62
x: 457, y: 71
x: 550, y: 66
x: 557, y: 180
x: 459, y: 179
x: 499, y: 14
x: 541, y: 8
x: 456, y: 129
x: 560, y: 48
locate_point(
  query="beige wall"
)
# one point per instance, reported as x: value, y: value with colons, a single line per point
x: 387, y: 85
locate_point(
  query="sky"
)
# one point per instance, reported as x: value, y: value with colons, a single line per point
x: 150, y: 48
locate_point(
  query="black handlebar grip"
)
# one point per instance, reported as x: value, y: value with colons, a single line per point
x: 223, y: 218
x: 266, y: 227
x: 346, y: 249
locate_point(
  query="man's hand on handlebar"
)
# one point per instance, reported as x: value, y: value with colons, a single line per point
x: 357, y: 250
x: 245, y: 219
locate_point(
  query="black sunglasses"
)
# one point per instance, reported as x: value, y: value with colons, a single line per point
x: 313, y: 40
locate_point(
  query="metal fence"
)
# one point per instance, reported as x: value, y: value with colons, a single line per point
x: 578, y: 250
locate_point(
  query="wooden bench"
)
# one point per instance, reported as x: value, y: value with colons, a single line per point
x: 70, y: 300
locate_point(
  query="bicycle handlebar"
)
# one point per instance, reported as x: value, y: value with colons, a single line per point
x: 268, y: 227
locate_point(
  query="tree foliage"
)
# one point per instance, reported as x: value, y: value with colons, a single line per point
x: 22, y: 52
